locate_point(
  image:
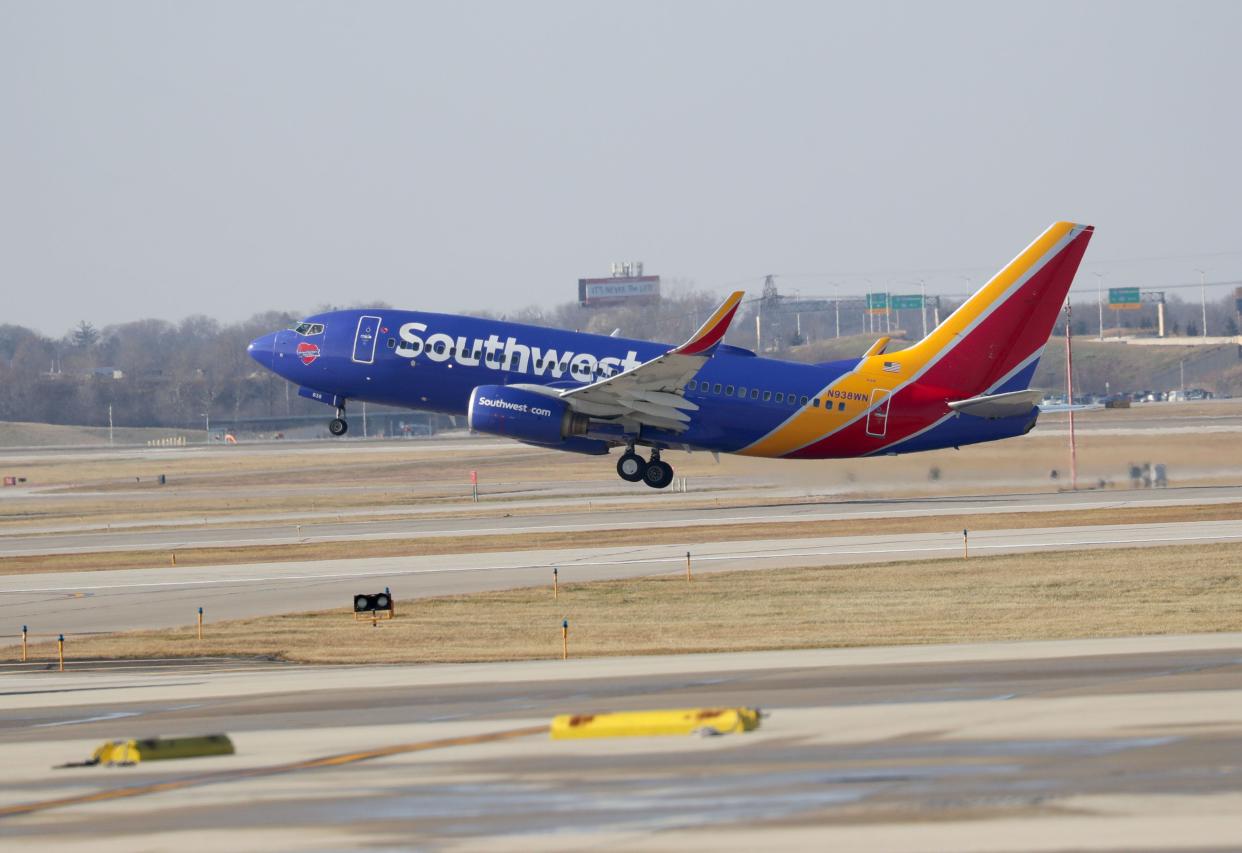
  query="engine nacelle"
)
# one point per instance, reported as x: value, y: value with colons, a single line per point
x: 525, y: 415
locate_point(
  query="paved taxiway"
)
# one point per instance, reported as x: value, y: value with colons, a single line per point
x: 263, y: 529
x: 86, y: 602
x: 1098, y: 744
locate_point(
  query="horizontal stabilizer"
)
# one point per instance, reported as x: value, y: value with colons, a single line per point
x: 999, y: 405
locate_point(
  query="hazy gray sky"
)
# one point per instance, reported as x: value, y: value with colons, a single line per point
x: 163, y: 159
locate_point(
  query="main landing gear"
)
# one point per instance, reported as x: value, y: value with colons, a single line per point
x: 338, y: 425
x: 657, y: 474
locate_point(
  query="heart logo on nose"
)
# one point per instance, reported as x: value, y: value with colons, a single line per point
x: 308, y: 352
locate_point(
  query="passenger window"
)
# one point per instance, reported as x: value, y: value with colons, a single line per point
x: 439, y: 346
x: 741, y: 392
x: 728, y: 390
x: 815, y: 402
x: 802, y: 400
x: 780, y: 398
x: 392, y: 343
x: 716, y: 388
x: 767, y: 395
x: 754, y: 393
x: 691, y: 385
x: 840, y: 407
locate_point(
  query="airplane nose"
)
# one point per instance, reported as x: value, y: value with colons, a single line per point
x: 262, y: 350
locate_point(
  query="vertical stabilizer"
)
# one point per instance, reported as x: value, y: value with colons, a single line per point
x: 993, y: 342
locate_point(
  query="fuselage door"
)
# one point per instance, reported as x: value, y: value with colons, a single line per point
x: 365, y: 339
x: 877, y: 418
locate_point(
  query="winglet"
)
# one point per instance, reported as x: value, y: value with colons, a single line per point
x: 711, y: 333
x: 877, y: 347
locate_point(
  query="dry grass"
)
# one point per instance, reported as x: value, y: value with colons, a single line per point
x: 603, y: 537
x: 1013, y: 597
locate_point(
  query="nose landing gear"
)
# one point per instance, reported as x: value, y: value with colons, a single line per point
x: 633, y: 468
x: 338, y: 425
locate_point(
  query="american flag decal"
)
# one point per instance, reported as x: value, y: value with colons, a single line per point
x: 892, y: 367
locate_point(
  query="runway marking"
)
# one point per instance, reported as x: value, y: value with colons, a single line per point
x: 827, y: 550
x: 273, y: 770
x: 116, y: 715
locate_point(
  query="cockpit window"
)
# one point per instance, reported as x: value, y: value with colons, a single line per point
x: 308, y: 329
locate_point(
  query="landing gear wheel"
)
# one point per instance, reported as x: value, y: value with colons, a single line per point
x: 631, y: 467
x: 337, y: 426
x: 658, y: 474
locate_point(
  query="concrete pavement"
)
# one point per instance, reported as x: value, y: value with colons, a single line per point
x: 1129, y: 743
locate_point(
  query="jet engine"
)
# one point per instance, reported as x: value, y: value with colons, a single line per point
x: 530, y: 417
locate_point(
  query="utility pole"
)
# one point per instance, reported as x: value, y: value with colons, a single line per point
x: 1203, y: 298
x: 769, y: 304
x: 923, y: 305
x: 1099, y: 298
x: 1069, y: 396
x: 110, y: 425
x: 836, y: 306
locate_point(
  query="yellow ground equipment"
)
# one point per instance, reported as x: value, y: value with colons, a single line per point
x: 158, y: 749
x: 685, y: 721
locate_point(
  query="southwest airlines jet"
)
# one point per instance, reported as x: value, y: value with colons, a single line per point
x: 967, y: 382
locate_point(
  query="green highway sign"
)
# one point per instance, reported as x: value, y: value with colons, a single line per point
x: 902, y: 302
x: 877, y: 303
x: 1124, y: 298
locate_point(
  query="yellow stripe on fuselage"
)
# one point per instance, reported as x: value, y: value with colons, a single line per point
x: 810, y: 424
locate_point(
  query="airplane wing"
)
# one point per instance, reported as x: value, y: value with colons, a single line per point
x: 651, y: 394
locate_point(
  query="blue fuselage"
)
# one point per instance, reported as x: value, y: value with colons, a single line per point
x: 432, y: 362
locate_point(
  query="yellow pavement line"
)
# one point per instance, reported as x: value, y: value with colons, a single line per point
x: 235, y: 775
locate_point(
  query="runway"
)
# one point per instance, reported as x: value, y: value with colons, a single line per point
x: 101, y: 601
x: 504, y: 518
x: 1101, y: 744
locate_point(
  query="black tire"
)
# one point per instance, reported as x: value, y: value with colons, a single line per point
x: 337, y: 426
x: 631, y: 467
x: 658, y: 475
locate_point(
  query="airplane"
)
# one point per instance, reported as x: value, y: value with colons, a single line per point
x: 966, y: 382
